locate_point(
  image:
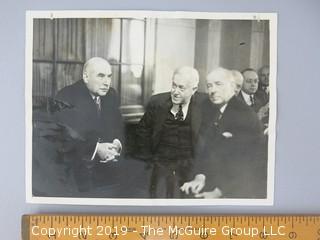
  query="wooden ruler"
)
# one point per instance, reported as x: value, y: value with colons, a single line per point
x: 95, y: 227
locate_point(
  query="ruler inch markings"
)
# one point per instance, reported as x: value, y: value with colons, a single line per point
x: 296, y: 226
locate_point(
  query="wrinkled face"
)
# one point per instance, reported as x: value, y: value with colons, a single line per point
x: 264, y: 77
x: 250, y: 82
x: 182, y: 89
x: 220, y: 90
x: 97, y: 77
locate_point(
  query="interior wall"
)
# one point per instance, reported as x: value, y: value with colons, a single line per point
x: 231, y: 44
x: 207, y: 49
x: 235, y: 44
x: 175, y: 47
x: 259, y: 55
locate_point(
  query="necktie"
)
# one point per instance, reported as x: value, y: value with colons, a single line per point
x: 97, y: 102
x: 252, y: 100
x: 179, y: 114
x: 217, y: 118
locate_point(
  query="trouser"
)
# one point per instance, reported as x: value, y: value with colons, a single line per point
x: 167, y: 178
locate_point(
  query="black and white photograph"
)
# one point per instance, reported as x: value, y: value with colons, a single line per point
x: 150, y: 108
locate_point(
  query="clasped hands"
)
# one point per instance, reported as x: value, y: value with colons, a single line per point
x: 109, y: 151
x: 196, y: 185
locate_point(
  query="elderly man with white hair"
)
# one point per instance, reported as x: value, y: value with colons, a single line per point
x: 168, y: 133
x: 230, y: 153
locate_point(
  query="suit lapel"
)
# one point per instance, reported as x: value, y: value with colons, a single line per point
x: 162, y: 115
x: 227, y: 115
x: 195, y: 115
x: 85, y: 99
x: 196, y: 118
x: 241, y: 98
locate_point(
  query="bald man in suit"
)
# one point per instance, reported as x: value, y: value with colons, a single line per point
x: 95, y: 116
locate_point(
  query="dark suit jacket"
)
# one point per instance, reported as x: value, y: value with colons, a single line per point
x: 84, y: 120
x: 231, y: 151
x: 262, y: 96
x: 257, y: 102
x: 150, y: 126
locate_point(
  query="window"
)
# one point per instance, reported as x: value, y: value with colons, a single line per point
x: 61, y: 47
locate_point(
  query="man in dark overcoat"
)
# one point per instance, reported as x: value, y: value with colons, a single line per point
x: 231, y: 156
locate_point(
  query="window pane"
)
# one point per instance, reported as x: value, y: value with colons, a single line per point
x: 103, y: 39
x: 43, y: 39
x: 41, y: 83
x: 70, y: 36
x: 115, y: 77
x: 131, y: 84
x: 68, y: 74
x: 133, y: 41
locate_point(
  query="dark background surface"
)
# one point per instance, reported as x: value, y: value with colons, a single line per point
x: 297, y: 147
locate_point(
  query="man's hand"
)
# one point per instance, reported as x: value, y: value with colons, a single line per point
x: 216, y: 193
x: 107, y: 152
x: 196, y: 185
x: 263, y: 111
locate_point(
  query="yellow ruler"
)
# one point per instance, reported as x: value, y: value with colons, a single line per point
x: 95, y: 227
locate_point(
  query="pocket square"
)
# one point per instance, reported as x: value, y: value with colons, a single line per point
x: 227, y: 134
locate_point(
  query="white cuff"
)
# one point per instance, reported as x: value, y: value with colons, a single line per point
x: 200, y: 177
x: 95, y: 151
x: 218, y: 192
x: 118, y: 145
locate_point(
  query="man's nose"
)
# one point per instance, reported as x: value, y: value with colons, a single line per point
x: 212, y: 90
x: 106, y: 81
x: 175, y: 91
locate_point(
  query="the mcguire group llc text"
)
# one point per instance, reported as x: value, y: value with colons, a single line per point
x: 148, y: 230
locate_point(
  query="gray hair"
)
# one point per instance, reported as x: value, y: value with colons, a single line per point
x: 238, y: 78
x: 190, y: 71
x: 263, y: 68
x: 248, y: 70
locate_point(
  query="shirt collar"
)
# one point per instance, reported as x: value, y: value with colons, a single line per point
x: 185, y: 108
x: 93, y: 96
x: 246, y: 97
x: 223, y: 108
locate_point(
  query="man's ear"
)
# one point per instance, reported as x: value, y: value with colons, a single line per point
x: 195, y: 89
x: 233, y: 85
x: 85, y: 76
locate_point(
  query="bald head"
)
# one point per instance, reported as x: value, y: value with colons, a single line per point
x: 221, y: 86
x: 97, y: 76
x: 94, y: 63
x: 184, y: 84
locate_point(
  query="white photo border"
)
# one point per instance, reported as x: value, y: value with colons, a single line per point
x: 272, y: 17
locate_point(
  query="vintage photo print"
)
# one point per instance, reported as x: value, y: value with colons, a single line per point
x: 150, y: 108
